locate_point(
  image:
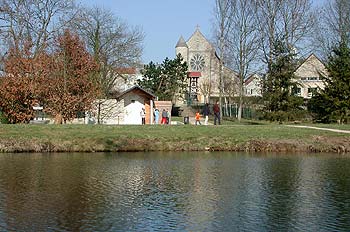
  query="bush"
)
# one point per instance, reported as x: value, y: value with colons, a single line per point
x: 3, y: 119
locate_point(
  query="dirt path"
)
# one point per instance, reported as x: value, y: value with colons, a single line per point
x: 320, y: 128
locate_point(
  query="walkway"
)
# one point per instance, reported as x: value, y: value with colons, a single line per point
x: 320, y: 128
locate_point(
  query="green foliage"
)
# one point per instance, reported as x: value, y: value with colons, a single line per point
x: 3, y: 119
x: 279, y: 103
x: 333, y: 103
x: 167, y: 80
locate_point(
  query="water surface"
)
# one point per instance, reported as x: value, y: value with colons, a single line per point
x: 174, y: 192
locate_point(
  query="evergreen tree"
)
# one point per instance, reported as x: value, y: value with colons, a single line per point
x: 280, y: 104
x: 333, y: 103
x: 168, y: 80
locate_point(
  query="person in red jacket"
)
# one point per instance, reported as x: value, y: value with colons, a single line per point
x: 198, y: 118
x: 216, y: 109
x: 164, y: 116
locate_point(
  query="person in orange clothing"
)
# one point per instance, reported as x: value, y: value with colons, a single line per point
x: 198, y: 118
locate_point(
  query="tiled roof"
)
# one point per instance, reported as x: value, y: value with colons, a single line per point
x: 129, y: 70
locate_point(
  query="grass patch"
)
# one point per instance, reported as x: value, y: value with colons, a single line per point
x: 232, y: 136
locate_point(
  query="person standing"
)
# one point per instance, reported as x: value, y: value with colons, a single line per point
x: 206, y: 113
x: 164, y: 116
x: 216, y: 109
x: 167, y: 116
x: 156, y: 116
x: 143, y: 116
x: 198, y: 118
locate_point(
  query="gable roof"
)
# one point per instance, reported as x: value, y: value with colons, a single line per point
x: 251, y: 78
x: 199, y: 34
x: 312, y: 65
x: 138, y: 90
x: 126, y: 70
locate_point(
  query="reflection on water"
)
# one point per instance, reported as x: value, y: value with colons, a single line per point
x: 174, y: 192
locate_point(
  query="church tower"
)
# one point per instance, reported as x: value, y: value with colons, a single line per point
x: 203, y: 68
x: 182, y: 48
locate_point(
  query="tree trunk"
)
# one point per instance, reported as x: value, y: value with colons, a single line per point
x: 58, y: 119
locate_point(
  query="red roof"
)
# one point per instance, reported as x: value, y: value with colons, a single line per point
x: 194, y: 74
x: 128, y: 70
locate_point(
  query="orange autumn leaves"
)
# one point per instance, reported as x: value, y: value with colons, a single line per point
x: 63, y: 81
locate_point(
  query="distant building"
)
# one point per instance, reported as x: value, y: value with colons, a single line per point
x: 308, y: 76
x: 125, y: 78
x: 253, y: 86
x: 203, y: 68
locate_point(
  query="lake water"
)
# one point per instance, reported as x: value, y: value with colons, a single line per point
x: 174, y: 192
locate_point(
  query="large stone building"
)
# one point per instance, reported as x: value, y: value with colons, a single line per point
x: 203, y: 68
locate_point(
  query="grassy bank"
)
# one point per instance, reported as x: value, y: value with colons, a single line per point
x: 233, y: 137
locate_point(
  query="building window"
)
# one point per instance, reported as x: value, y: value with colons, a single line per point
x: 197, y: 62
x: 311, y: 92
x: 296, y: 91
x: 309, y: 78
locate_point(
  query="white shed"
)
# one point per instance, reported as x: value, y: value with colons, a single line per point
x: 132, y: 101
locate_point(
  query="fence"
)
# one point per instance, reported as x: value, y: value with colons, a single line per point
x: 231, y: 110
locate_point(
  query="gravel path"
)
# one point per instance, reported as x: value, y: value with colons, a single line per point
x: 320, y: 128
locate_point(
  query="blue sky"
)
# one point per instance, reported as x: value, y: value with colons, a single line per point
x: 163, y: 21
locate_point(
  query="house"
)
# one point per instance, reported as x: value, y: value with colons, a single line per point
x: 253, y: 86
x: 126, y: 78
x: 125, y: 108
x: 308, y: 76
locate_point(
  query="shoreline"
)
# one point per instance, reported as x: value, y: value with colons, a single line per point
x: 319, y: 145
x: 103, y: 138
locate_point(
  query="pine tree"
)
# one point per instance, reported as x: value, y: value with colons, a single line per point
x: 333, y: 103
x: 167, y: 80
x: 280, y: 104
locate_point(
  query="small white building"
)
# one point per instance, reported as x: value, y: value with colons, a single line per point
x: 125, y: 109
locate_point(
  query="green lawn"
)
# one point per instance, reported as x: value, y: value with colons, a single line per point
x: 230, y: 136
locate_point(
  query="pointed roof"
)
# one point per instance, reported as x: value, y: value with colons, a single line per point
x: 197, y: 32
x: 311, y: 66
x: 138, y: 90
x: 181, y: 43
x: 198, y: 39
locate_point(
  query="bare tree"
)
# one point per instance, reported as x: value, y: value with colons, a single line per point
x: 290, y: 20
x: 243, y: 44
x: 112, y: 42
x: 267, y: 13
x: 297, y: 21
x: 34, y: 21
x: 333, y: 27
x: 231, y: 88
x: 223, y: 26
x: 206, y: 88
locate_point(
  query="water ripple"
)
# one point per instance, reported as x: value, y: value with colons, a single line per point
x: 174, y: 192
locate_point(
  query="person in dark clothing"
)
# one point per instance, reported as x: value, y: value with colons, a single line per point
x: 206, y: 113
x: 143, y: 116
x: 216, y: 109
